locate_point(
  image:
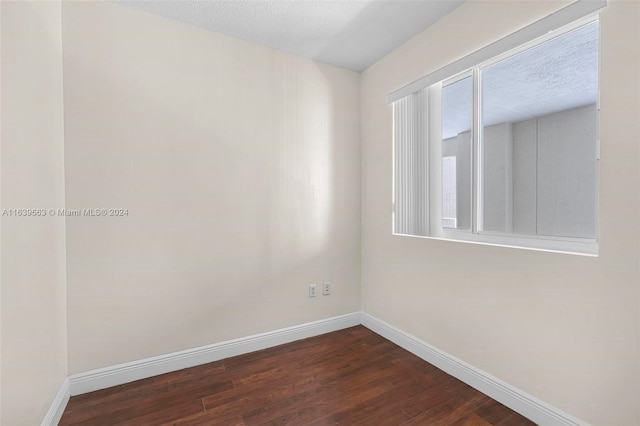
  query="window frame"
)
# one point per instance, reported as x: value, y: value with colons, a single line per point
x: 475, y: 235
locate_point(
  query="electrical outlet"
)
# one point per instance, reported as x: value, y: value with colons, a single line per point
x: 313, y: 292
x: 326, y: 289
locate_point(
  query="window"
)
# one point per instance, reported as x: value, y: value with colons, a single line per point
x: 505, y: 152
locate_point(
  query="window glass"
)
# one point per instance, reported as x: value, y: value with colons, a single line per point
x: 539, y: 138
x: 457, y: 109
x: 449, y: 216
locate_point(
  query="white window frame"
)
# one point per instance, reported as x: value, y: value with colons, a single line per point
x: 475, y: 235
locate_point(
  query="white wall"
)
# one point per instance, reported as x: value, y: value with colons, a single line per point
x: 33, y: 296
x: 239, y: 167
x: 563, y: 328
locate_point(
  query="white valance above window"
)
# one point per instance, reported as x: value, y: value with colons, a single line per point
x: 556, y: 20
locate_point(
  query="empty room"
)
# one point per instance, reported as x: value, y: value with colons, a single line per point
x: 310, y: 212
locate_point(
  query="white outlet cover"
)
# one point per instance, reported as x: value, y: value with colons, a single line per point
x: 313, y: 290
x: 326, y: 289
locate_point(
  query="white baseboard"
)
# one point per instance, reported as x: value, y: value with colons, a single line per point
x: 124, y: 373
x: 519, y: 401
x: 53, y: 416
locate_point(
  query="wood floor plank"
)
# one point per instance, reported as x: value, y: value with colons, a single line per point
x: 514, y: 419
x: 470, y: 419
x: 348, y: 377
x: 495, y: 413
x: 207, y: 418
x: 429, y: 398
x: 392, y: 416
x: 381, y: 407
x: 237, y: 403
x: 446, y: 413
x: 161, y: 415
x: 305, y: 408
x: 164, y: 395
x: 143, y: 387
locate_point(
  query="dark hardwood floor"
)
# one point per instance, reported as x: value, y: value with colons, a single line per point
x: 349, y: 377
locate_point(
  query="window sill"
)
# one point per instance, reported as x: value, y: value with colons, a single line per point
x: 572, y: 246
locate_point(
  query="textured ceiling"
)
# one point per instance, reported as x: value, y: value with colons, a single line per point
x: 554, y: 76
x: 349, y: 34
